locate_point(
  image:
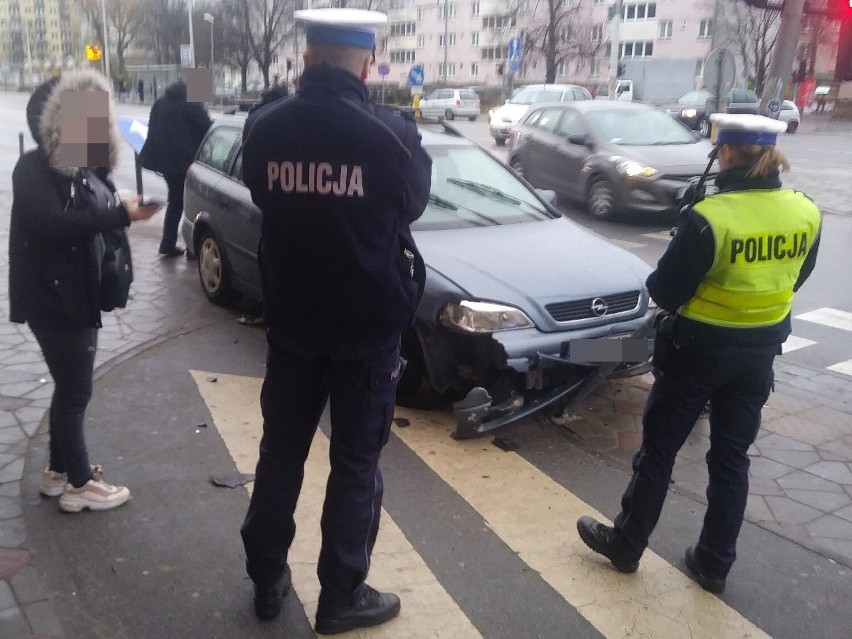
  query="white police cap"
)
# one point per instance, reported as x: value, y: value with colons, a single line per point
x: 342, y: 27
x: 745, y: 128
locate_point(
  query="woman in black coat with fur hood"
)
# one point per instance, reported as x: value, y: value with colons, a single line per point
x: 55, y: 251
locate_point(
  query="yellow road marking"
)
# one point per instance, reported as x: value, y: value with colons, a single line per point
x: 427, y: 609
x: 535, y: 517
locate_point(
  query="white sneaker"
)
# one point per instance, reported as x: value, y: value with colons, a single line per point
x: 52, y: 483
x: 95, y: 494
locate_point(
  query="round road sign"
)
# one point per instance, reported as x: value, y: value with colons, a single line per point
x: 384, y: 68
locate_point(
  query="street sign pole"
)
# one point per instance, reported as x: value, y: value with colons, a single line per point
x: 783, y: 56
x: 615, y: 46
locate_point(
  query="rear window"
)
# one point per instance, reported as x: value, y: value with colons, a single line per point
x: 216, y: 149
x: 467, y: 94
x: 536, y: 96
x: 581, y: 94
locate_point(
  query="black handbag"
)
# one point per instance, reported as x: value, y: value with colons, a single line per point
x: 116, y: 270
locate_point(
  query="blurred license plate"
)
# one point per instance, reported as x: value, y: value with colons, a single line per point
x: 607, y: 350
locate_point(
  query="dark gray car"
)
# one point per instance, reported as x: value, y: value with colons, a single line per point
x: 614, y: 156
x: 510, y: 282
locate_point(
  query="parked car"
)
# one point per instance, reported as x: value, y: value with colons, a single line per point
x: 694, y: 107
x: 790, y: 114
x: 504, y: 118
x: 450, y: 104
x: 510, y: 281
x: 612, y: 155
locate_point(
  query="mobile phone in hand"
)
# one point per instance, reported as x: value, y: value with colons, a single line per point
x: 153, y: 200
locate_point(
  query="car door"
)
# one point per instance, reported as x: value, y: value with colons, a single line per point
x: 203, y: 191
x: 542, y: 147
x: 244, y: 225
x: 570, y: 154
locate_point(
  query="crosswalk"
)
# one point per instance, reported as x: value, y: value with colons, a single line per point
x: 530, y: 514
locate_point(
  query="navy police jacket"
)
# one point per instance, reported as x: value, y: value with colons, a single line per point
x: 338, y: 181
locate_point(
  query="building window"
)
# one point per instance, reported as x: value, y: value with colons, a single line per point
x: 562, y: 68
x: 597, y: 33
x: 421, y: 41
x: 598, y: 1
x: 419, y: 13
x: 636, y: 12
x: 666, y: 27
x: 451, y: 40
x: 447, y: 10
x: 636, y: 49
x: 474, y: 9
x: 474, y: 39
x: 594, y: 67
x: 492, y: 53
x: 402, y: 56
x: 383, y: 44
x: 451, y: 70
x: 474, y: 70
x: 403, y: 4
x: 493, y: 23
x: 402, y: 28
x: 705, y: 29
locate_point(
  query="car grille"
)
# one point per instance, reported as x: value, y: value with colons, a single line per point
x: 574, y: 310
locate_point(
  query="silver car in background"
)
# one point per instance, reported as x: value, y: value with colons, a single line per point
x: 449, y: 104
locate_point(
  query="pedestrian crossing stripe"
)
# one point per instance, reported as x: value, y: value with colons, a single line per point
x: 427, y: 609
x: 532, y: 514
x: 794, y: 343
x: 842, y: 367
x: 832, y: 317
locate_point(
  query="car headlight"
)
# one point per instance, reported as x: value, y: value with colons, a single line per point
x: 631, y: 168
x: 483, y: 317
x: 689, y: 113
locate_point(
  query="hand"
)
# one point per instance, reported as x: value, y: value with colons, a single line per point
x: 136, y: 212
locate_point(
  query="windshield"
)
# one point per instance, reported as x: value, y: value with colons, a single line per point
x: 537, y: 96
x: 639, y: 127
x: 470, y: 188
x: 695, y: 97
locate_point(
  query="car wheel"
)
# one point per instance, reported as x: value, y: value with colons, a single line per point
x: 449, y: 115
x: 601, y: 201
x: 414, y: 389
x: 472, y: 118
x: 792, y: 125
x: 518, y: 167
x: 704, y: 128
x: 500, y: 141
x: 213, y: 271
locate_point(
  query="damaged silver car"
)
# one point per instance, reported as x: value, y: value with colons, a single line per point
x: 522, y: 307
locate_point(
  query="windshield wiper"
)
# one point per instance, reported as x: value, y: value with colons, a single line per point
x: 485, y: 189
x: 444, y: 204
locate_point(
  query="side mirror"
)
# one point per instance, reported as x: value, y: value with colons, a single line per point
x: 547, y: 195
x: 580, y: 139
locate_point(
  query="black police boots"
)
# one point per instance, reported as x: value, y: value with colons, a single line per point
x: 599, y: 538
x: 268, y: 598
x: 371, y: 609
x: 716, y: 585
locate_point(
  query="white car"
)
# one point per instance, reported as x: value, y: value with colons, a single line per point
x: 450, y: 103
x: 504, y: 118
x: 790, y: 114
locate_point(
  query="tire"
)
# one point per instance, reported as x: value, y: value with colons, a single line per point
x: 500, y: 141
x: 472, y: 118
x: 213, y: 270
x: 449, y: 115
x: 601, y: 200
x: 704, y: 128
x: 414, y: 389
x: 518, y: 167
x: 792, y: 126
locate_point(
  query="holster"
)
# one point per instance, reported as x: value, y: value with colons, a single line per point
x: 664, y: 344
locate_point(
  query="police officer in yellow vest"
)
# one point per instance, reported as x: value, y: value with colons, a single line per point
x: 728, y: 278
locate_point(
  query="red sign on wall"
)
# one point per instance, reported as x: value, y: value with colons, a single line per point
x: 806, y: 93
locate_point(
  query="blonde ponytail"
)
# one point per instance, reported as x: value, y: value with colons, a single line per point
x: 763, y: 160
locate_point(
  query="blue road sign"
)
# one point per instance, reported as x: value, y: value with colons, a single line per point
x: 134, y: 131
x: 415, y: 75
x: 515, y: 49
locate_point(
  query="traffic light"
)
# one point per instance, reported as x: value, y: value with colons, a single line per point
x: 500, y: 67
x: 93, y: 52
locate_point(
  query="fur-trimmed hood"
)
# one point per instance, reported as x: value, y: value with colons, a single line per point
x: 50, y: 120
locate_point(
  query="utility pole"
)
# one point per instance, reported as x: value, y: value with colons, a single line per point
x: 789, y: 31
x: 106, y: 41
x: 615, y: 46
x: 191, y: 39
x: 29, y: 64
x: 446, y: 41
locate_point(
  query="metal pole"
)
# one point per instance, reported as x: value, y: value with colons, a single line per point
x: 446, y: 42
x: 383, y: 89
x: 191, y: 39
x: 615, y: 45
x: 21, y: 142
x: 29, y: 53
x: 106, y: 39
x: 138, y: 173
x: 789, y: 31
x: 211, y: 45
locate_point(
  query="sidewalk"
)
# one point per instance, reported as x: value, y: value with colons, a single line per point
x: 801, y: 465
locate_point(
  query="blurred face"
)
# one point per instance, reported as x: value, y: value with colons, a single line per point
x: 728, y: 157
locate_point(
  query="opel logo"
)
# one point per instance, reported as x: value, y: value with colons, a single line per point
x: 599, y: 306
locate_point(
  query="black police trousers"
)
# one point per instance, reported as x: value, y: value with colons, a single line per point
x: 362, y: 394
x: 737, y: 381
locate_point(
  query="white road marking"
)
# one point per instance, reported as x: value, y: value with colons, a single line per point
x: 628, y: 245
x: 829, y: 317
x: 842, y: 367
x: 665, y: 236
x: 794, y: 343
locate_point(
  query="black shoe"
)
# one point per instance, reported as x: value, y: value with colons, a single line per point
x: 371, y: 609
x: 598, y: 537
x: 268, y: 598
x: 175, y: 252
x: 715, y: 585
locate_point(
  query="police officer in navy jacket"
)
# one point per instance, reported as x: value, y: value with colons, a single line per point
x: 338, y: 180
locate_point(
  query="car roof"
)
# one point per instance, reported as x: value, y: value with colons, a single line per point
x: 587, y: 106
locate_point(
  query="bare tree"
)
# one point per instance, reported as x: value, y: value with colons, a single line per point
x: 125, y: 18
x: 236, y: 40
x: 751, y: 32
x: 561, y: 33
x: 270, y: 23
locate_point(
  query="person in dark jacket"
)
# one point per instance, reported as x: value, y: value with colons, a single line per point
x: 338, y: 180
x: 728, y: 280
x: 55, y: 251
x: 175, y: 131
x: 140, y: 89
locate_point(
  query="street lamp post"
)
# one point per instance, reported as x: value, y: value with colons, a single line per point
x: 106, y: 40
x: 191, y: 38
x: 209, y: 18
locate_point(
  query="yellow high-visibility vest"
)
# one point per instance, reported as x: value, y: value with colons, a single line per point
x: 762, y: 238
